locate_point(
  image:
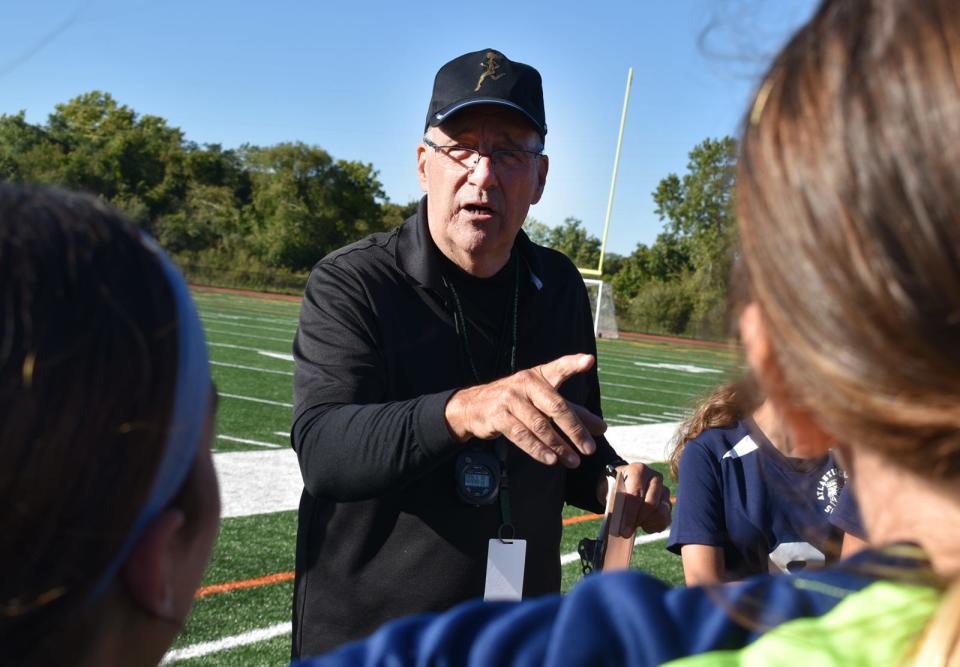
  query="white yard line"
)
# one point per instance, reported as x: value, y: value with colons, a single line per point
x: 246, y: 335
x: 682, y: 368
x: 667, y: 359
x: 643, y: 442
x: 637, y: 387
x: 657, y: 373
x: 646, y: 419
x: 250, y: 368
x: 280, y: 629
x: 633, y: 376
x: 236, y: 347
x: 206, y: 311
x: 633, y: 402
x: 258, y: 481
x: 573, y: 557
x: 246, y: 441
x: 285, y: 356
x: 230, y: 322
x: 235, y: 641
x: 257, y: 400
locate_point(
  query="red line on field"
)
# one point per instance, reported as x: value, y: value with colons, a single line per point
x: 280, y: 577
x: 244, y: 583
x: 247, y: 292
x: 630, y: 335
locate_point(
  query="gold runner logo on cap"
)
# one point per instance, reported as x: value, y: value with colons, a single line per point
x: 490, y: 69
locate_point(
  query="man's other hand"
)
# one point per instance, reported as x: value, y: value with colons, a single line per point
x: 527, y: 409
x: 646, y: 500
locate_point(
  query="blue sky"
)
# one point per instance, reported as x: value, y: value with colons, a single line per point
x: 355, y: 78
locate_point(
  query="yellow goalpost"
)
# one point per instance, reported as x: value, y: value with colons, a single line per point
x: 613, y: 181
x: 604, y: 317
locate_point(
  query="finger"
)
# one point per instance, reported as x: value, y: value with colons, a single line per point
x: 635, y: 498
x: 595, y: 425
x: 561, y: 369
x: 659, y: 516
x: 633, y: 479
x: 518, y: 433
x: 542, y: 429
x: 660, y: 519
x: 654, y: 489
x: 666, y: 503
x: 549, y: 402
x: 651, y: 484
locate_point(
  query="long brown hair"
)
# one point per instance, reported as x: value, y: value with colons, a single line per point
x: 720, y: 408
x: 88, y: 351
x: 848, y: 201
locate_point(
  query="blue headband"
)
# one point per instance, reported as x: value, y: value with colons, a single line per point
x: 191, y: 402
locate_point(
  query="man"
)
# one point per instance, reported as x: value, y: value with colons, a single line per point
x: 445, y: 392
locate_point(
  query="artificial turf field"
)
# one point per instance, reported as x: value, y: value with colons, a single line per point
x: 249, y: 338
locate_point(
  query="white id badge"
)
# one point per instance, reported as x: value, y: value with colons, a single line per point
x: 505, y: 561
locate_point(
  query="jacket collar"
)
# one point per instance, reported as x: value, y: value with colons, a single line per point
x: 420, y: 259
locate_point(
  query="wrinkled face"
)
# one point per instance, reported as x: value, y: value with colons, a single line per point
x: 475, y: 214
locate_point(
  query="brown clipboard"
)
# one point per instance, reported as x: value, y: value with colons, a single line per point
x: 618, y: 550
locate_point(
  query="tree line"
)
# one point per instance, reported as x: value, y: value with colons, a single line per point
x: 261, y: 216
x: 278, y: 207
x: 679, y: 283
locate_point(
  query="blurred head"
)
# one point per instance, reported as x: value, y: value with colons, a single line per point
x: 848, y: 203
x: 104, y: 437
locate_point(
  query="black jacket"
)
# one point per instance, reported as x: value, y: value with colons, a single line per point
x: 381, y: 531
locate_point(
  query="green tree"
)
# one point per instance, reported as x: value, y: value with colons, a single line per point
x: 698, y: 208
x: 26, y: 151
x: 570, y: 238
x: 306, y: 204
x: 679, y: 283
x: 394, y: 215
x: 538, y: 232
x: 210, y: 218
x: 134, y: 161
x: 612, y: 264
x: 212, y: 165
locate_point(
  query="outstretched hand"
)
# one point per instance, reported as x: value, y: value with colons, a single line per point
x: 527, y: 409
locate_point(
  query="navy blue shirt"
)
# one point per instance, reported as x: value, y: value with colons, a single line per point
x: 846, y: 516
x: 767, y: 511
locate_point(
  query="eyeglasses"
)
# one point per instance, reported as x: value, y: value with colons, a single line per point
x: 467, y: 159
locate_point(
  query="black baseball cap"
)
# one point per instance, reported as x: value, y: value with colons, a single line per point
x: 487, y: 77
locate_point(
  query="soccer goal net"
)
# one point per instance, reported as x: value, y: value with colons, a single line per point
x: 601, y: 302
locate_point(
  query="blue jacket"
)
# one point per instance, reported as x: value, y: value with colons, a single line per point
x: 629, y: 618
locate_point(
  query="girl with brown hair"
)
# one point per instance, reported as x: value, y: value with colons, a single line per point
x: 111, y: 503
x: 848, y: 206
x: 746, y: 503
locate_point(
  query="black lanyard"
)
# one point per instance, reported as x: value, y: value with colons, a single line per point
x: 500, y: 445
x: 460, y: 321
